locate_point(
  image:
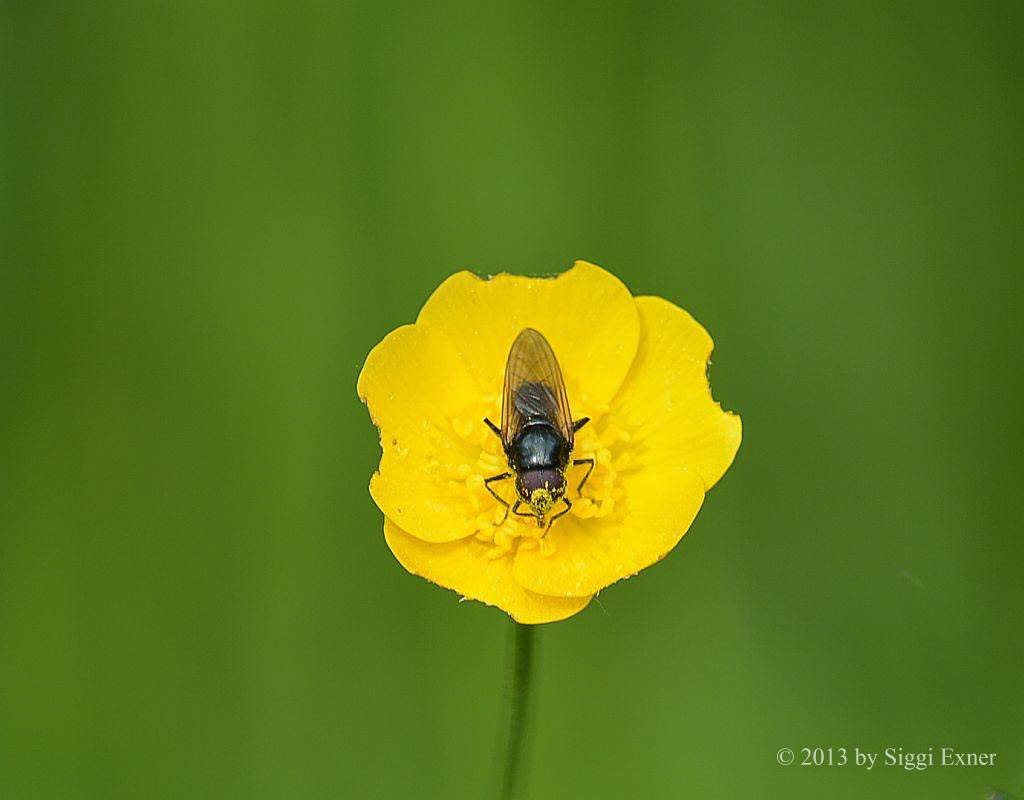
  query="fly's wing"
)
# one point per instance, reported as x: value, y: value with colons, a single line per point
x: 533, y: 387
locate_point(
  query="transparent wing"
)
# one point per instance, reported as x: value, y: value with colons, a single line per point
x: 534, y: 388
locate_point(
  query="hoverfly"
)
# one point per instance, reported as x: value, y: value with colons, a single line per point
x: 537, y: 430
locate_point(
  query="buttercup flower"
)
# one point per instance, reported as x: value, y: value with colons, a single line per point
x: 637, y: 366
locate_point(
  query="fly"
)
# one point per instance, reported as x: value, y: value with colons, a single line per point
x: 537, y: 430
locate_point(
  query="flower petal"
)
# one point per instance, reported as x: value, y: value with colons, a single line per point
x: 465, y: 567
x: 587, y: 555
x: 586, y: 313
x: 666, y: 400
x: 413, y: 387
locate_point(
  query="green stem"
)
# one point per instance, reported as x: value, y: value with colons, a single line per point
x: 522, y: 666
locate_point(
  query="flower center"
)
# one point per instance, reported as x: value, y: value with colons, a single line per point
x: 603, y: 439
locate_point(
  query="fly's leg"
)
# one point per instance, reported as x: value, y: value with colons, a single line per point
x: 493, y: 427
x: 561, y: 513
x: 515, y: 510
x: 577, y: 462
x: 487, y: 485
x: 580, y: 423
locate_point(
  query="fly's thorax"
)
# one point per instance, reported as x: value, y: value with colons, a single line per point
x: 540, y: 489
x: 538, y: 446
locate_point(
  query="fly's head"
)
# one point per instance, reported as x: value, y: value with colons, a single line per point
x: 540, y: 489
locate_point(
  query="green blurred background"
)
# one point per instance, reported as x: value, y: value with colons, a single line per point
x: 211, y: 213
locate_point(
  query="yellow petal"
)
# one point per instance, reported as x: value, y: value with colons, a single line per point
x: 414, y: 387
x: 465, y: 567
x: 585, y: 555
x: 666, y: 402
x: 586, y: 313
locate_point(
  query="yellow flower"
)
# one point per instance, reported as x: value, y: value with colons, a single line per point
x: 637, y: 366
